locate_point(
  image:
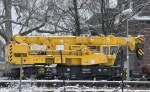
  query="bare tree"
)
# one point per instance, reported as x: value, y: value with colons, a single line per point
x: 77, y: 22
x: 55, y: 16
x: 47, y: 14
x: 5, y: 20
x: 8, y: 24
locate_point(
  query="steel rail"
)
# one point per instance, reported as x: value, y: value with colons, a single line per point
x: 76, y: 81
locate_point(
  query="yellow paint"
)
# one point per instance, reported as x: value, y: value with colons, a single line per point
x: 77, y: 50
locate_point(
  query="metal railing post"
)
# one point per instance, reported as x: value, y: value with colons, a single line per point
x: 63, y: 76
x: 21, y: 73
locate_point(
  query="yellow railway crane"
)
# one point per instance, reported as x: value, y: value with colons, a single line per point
x: 83, y: 57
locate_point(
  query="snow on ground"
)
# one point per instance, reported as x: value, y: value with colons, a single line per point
x: 33, y: 88
x: 25, y: 88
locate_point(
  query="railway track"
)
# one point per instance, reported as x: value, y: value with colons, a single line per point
x: 77, y: 85
x: 59, y: 83
x: 77, y: 81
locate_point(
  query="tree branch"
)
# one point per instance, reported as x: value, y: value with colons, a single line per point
x: 50, y: 32
x: 33, y: 29
x: 3, y: 34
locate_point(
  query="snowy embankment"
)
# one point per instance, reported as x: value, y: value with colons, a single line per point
x: 77, y: 88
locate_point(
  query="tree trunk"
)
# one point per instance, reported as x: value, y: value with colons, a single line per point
x: 77, y: 22
x: 103, y: 13
x: 8, y: 24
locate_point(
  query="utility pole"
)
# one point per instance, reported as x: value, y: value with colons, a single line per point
x: 76, y: 17
x: 128, y: 64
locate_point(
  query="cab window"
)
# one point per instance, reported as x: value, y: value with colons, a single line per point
x: 94, y: 48
x: 106, y: 50
x: 113, y: 50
